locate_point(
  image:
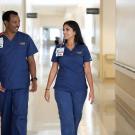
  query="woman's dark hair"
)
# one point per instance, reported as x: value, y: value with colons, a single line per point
x: 6, y: 15
x: 74, y: 25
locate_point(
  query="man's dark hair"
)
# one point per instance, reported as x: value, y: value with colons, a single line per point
x: 6, y: 15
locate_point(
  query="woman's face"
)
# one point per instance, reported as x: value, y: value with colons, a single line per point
x: 68, y: 32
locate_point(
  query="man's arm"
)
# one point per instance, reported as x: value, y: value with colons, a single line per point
x: 32, y: 70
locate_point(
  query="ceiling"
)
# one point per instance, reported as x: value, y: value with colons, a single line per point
x: 59, y: 7
x: 51, y: 7
x: 63, y: 2
x: 13, y: 2
x: 51, y: 10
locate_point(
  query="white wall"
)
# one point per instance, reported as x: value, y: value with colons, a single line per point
x: 43, y: 21
x: 11, y: 5
x: 125, y: 49
x: 77, y: 14
x: 55, y: 20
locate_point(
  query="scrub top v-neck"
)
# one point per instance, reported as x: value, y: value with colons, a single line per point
x: 71, y: 74
x: 14, y: 72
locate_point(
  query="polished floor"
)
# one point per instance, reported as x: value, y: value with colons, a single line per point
x: 101, y: 118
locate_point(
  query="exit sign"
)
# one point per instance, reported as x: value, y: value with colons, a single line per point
x: 31, y: 15
x: 92, y: 10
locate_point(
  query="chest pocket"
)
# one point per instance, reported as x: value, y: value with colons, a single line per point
x: 22, y: 49
x: 78, y: 57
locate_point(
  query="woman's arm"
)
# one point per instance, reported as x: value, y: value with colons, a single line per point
x: 87, y: 70
x: 52, y: 75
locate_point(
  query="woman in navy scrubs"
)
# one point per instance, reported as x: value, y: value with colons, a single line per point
x: 71, y: 64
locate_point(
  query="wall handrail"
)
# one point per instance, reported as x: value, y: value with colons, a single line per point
x: 125, y: 66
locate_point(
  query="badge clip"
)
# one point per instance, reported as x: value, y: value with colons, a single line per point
x: 1, y: 42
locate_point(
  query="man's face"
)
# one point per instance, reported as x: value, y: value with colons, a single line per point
x: 13, y: 24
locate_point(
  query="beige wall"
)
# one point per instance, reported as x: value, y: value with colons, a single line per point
x: 125, y: 48
x: 51, y: 21
x: 107, y: 36
x: 108, y: 24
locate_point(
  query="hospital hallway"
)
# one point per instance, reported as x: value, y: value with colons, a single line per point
x: 108, y: 29
x: 101, y: 118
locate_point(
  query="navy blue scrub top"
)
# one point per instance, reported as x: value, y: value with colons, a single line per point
x: 14, y: 72
x: 71, y: 75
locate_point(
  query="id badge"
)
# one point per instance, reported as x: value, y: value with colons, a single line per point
x: 1, y: 42
x: 60, y: 51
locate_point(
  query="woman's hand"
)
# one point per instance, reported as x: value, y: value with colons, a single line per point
x: 52, y: 75
x: 91, y: 96
x: 47, y: 95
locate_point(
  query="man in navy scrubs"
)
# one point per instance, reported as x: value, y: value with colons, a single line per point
x: 17, y: 64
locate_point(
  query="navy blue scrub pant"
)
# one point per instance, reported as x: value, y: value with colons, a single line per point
x: 14, y: 106
x: 70, y: 106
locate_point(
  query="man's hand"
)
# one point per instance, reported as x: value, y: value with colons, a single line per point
x: 32, y: 70
x: 33, y: 86
x: 1, y: 88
